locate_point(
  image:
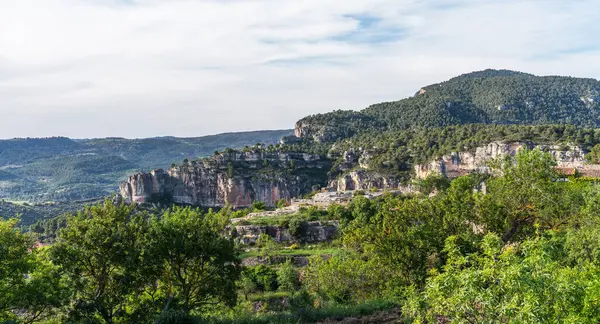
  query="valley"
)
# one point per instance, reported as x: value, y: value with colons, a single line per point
x: 476, y: 191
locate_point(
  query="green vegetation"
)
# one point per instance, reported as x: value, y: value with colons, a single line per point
x: 490, y: 97
x: 62, y: 169
x: 394, y: 153
x: 526, y: 250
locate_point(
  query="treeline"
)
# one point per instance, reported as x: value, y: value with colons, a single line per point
x: 396, y: 152
x: 490, y: 97
x: 522, y: 247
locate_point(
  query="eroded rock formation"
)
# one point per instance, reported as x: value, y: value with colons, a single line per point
x: 453, y: 165
x: 237, y: 179
x: 314, y: 232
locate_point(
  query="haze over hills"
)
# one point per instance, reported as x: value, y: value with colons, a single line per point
x: 59, y: 169
x: 489, y: 97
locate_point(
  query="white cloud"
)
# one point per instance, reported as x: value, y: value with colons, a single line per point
x: 89, y: 68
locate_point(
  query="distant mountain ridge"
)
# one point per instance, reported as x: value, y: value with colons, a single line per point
x: 487, y: 97
x: 60, y: 168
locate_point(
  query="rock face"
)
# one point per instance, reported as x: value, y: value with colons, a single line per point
x: 462, y: 163
x: 344, y: 124
x: 363, y: 180
x: 319, y: 133
x: 315, y: 232
x: 236, y: 178
x: 355, y: 174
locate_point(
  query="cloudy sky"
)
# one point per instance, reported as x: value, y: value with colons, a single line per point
x: 141, y: 68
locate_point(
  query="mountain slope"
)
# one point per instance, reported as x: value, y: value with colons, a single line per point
x: 489, y: 97
x: 60, y: 169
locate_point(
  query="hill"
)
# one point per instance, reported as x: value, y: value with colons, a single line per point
x: 487, y: 97
x: 63, y: 169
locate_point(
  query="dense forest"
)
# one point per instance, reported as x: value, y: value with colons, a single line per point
x: 489, y: 97
x: 525, y: 249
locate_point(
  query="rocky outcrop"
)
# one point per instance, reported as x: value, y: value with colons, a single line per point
x: 363, y: 180
x: 461, y: 163
x: 354, y: 173
x: 235, y: 178
x: 313, y: 233
x: 337, y: 125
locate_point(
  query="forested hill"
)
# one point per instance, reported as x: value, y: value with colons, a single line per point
x: 490, y: 97
x: 59, y: 168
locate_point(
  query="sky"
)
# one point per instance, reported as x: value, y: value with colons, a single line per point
x: 144, y: 68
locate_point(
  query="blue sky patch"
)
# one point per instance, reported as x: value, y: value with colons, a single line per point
x: 370, y: 30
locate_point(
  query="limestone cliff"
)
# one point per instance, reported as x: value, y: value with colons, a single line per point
x: 337, y: 125
x: 235, y: 178
x: 353, y: 173
x: 568, y: 159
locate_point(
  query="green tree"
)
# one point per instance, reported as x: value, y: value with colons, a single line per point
x: 526, y: 283
x: 287, y: 277
x: 526, y: 192
x: 199, y: 266
x: 265, y: 278
x: 405, y: 234
x: 347, y: 277
x: 30, y: 286
x: 101, y: 253
x: 267, y: 245
x: 16, y: 262
x: 594, y: 155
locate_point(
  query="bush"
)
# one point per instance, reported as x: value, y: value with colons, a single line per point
x: 287, y: 277
x: 259, y: 206
x: 359, y: 193
x: 282, y: 203
x: 175, y: 317
x: 263, y: 277
x: 301, y: 300
x: 267, y: 245
x: 297, y: 227
x: 295, y: 246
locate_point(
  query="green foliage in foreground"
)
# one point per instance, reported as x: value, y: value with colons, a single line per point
x: 526, y: 250
x: 531, y: 282
x: 310, y: 315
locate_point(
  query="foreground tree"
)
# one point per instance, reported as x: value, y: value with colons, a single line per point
x: 101, y: 252
x: 526, y: 193
x: 526, y: 283
x: 29, y: 284
x: 200, y: 267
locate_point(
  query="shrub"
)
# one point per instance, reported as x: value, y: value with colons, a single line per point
x: 265, y: 278
x: 175, y: 317
x: 287, y: 277
x: 282, y: 203
x: 259, y: 206
x: 301, y: 300
x: 247, y: 284
x: 359, y: 193
x: 297, y: 227
x: 267, y: 245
